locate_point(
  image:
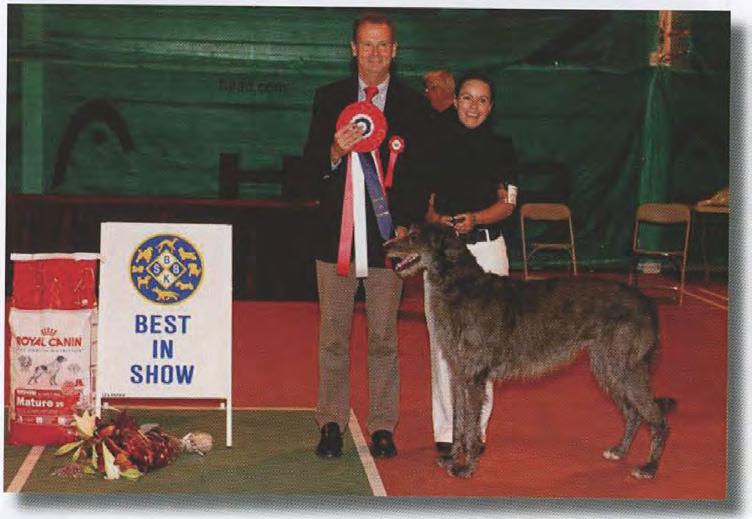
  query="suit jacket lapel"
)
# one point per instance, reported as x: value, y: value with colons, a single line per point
x: 391, y: 109
x: 392, y: 100
x: 350, y: 95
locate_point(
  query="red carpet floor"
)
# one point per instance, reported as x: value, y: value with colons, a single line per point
x: 545, y: 437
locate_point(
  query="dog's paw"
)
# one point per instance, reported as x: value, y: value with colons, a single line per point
x: 461, y: 471
x: 613, y: 454
x: 647, y: 471
x: 444, y: 461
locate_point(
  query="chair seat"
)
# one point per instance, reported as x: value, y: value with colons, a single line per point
x: 643, y: 252
x: 558, y: 246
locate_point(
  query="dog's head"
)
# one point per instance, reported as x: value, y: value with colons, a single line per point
x: 422, y: 248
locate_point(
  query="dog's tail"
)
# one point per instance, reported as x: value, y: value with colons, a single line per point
x: 666, y: 404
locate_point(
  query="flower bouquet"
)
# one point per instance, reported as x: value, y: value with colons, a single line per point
x: 119, y: 447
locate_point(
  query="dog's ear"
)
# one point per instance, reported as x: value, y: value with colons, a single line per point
x: 453, y: 247
x: 444, y: 240
x: 434, y: 235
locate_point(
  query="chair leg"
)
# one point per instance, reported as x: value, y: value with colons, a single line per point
x: 573, y: 254
x: 684, y: 264
x: 524, y: 249
x: 634, y: 260
x: 572, y: 249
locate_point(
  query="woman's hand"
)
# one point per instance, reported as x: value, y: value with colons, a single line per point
x: 445, y: 220
x: 433, y: 217
x: 464, y: 222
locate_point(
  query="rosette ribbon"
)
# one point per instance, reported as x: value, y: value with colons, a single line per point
x: 364, y: 177
x: 396, y: 146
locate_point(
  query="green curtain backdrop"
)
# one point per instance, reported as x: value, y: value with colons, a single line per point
x: 574, y: 87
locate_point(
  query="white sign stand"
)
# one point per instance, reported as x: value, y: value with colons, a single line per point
x: 165, y: 313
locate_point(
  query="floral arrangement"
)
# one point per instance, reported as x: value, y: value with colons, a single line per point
x: 118, y: 448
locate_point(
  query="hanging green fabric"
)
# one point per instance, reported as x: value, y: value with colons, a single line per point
x: 656, y: 155
x: 191, y: 82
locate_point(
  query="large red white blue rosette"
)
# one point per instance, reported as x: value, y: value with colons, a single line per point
x: 364, y: 176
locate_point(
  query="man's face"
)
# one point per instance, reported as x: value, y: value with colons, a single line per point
x: 439, y: 97
x: 374, y: 50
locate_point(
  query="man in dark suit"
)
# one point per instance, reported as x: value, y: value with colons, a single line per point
x: 326, y: 154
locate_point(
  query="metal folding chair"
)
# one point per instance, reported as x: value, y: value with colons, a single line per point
x: 548, y: 213
x: 669, y: 216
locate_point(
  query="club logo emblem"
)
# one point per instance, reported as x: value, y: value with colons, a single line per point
x: 166, y: 269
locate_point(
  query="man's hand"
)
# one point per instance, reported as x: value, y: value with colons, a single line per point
x: 344, y: 139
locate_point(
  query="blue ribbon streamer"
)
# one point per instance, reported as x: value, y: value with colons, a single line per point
x: 376, y: 194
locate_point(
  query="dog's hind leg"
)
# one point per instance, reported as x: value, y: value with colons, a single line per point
x: 631, y: 423
x: 638, y: 393
x: 659, y: 434
x: 612, y: 381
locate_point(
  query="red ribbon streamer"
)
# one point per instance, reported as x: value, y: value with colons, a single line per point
x: 346, y: 227
x: 396, y: 146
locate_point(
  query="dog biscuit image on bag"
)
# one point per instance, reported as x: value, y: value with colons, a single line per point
x: 52, y: 324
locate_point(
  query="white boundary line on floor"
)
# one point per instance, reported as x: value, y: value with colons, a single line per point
x: 26, y: 469
x: 372, y: 473
x: 714, y: 294
x: 708, y: 301
x: 369, y: 465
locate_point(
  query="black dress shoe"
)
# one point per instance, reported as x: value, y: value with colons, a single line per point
x: 382, y: 445
x: 330, y: 445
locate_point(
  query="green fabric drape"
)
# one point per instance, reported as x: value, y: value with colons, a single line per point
x: 573, y: 87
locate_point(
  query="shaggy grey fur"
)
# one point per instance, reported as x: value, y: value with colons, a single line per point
x: 490, y: 326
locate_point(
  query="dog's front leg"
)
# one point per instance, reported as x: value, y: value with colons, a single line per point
x: 458, y: 410
x: 474, y: 394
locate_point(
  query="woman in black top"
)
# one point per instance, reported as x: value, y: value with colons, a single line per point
x: 473, y: 188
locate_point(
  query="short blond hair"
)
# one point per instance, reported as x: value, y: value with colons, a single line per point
x: 441, y: 78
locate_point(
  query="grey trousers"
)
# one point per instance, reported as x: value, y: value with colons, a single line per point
x: 383, y: 290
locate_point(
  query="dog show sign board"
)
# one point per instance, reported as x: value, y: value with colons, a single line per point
x: 165, y: 327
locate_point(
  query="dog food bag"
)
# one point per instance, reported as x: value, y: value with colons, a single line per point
x: 52, y: 320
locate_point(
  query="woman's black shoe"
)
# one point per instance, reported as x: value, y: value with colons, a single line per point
x: 444, y: 448
x: 330, y: 445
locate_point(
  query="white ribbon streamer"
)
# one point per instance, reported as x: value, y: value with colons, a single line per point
x: 359, y: 217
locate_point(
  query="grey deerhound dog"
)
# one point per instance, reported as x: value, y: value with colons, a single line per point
x: 496, y: 327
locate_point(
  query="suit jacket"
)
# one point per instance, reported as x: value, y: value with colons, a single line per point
x: 406, y: 117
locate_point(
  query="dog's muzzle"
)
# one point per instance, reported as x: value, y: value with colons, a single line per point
x: 406, y: 262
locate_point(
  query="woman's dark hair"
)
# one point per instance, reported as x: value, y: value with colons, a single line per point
x: 476, y: 75
x: 376, y: 19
